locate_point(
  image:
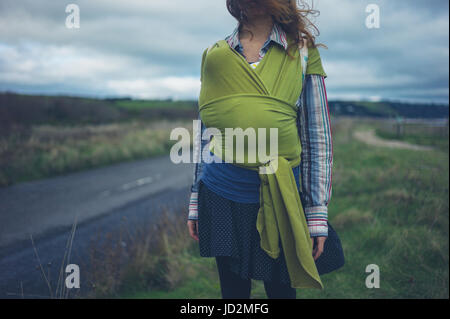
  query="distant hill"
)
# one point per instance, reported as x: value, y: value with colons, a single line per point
x: 25, y: 110
x: 389, y: 109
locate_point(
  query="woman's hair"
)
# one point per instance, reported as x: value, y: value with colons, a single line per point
x: 290, y: 15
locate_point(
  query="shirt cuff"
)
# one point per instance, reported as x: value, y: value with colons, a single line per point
x: 317, y: 220
x: 193, y: 206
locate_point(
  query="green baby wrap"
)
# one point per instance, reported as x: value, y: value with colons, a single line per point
x: 234, y: 95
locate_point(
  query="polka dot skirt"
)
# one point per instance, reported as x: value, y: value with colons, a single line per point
x: 228, y: 228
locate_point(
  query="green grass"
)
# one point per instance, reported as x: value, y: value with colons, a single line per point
x: 200, y: 285
x: 437, y: 137
x: 391, y: 209
x: 49, y: 150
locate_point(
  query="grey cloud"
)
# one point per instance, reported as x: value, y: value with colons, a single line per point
x: 158, y: 39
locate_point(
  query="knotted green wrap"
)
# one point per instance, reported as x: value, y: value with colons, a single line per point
x: 234, y: 95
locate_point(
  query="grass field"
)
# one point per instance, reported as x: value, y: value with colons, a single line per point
x: 416, y: 134
x: 389, y: 206
x: 144, y: 104
x: 49, y: 150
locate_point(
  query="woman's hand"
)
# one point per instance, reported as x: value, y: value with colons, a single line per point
x: 193, y: 228
x: 318, y: 246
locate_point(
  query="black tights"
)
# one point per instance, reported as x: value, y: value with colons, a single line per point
x: 235, y: 287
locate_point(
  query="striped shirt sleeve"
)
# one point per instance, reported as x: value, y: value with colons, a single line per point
x: 317, y: 153
x: 199, y: 145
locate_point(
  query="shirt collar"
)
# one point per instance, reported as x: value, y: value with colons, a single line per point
x: 277, y: 35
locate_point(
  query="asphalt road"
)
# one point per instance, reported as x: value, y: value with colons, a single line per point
x: 97, y: 199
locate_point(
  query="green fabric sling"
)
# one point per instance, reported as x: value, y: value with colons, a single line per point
x: 234, y: 95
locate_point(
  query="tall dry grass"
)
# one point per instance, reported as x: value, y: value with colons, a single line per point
x: 57, y: 290
x: 150, y: 257
x: 47, y: 150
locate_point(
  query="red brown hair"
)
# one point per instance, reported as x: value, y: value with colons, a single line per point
x: 290, y: 15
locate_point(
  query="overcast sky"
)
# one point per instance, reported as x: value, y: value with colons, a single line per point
x: 152, y: 48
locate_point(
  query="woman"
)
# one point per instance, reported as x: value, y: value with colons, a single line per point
x: 225, y: 198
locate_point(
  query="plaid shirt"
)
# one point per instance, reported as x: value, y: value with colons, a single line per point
x: 314, y: 130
